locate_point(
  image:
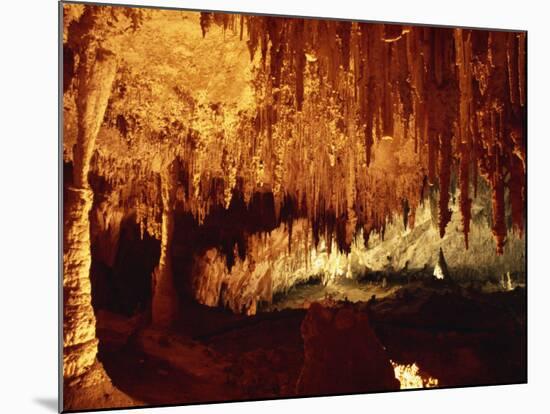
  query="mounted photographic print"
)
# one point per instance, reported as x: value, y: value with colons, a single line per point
x: 263, y: 207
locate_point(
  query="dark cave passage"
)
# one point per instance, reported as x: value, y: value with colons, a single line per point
x: 125, y: 286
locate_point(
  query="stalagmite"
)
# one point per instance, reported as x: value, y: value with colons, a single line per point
x: 164, y: 307
x: 79, y: 339
x: 441, y: 270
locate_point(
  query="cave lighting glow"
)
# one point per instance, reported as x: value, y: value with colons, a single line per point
x: 410, y: 378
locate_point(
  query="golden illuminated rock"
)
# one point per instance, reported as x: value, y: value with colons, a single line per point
x: 79, y: 340
x: 364, y: 117
x: 283, y: 149
x: 83, y: 374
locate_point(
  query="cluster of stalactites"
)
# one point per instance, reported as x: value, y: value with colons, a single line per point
x: 329, y: 91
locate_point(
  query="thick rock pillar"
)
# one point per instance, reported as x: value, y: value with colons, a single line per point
x: 165, y: 303
x: 95, y: 78
x: 86, y: 384
x: 79, y: 339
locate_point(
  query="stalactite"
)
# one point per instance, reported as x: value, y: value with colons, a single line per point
x: 463, y: 58
x: 299, y: 61
x: 412, y: 216
x: 433, y: 149
x: 445, y: 155
x: 344, y: 34
x: 522, y: 78
x: 206, y: 22
x: 512, y: 65
x: 465, y: 200
x: 406, y: 210
x: 366, y: 90
x: 339, y: 106
x: 387, y: 108
x: 517, y: 193
x: 499, y: 223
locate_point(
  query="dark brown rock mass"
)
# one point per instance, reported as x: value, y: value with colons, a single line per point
x: 342, y: 354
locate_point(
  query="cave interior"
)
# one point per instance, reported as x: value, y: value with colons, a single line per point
x: 261, y: 207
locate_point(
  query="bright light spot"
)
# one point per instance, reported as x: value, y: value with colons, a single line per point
x: 438, y: 272
x: 310, y: 57
x: 507, y: 282
x: 332, y: 266
x: 409, y: 377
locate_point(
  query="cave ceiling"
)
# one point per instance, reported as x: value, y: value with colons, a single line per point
x: 345, y: 124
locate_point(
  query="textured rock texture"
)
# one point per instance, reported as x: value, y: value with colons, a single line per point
x: 79, y: 340
x: 291, y: 149
x: 269, y: 267
x: 96, y: 74
x: 345, y: 125
x: 85, y: 383
x: 406, y: 248
x: 345, y: 122
x: 342, y: 354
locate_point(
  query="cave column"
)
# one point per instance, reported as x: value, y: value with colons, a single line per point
x: 165, y: 303
x: 96, y: 72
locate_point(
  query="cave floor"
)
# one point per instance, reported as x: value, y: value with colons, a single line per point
x: 210, y: 355
x: 455, y: 334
